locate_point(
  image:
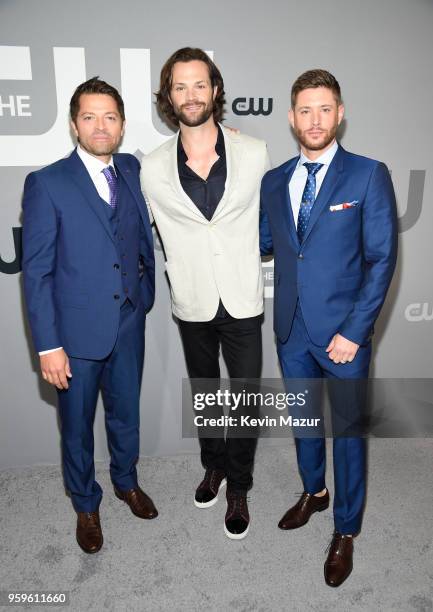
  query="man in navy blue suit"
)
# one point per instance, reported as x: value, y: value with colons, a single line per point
x: 329, y: 219
x: 88, y: 267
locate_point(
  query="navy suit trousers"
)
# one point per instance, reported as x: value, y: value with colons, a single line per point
x: 118, y: 376
x: 300, y: 358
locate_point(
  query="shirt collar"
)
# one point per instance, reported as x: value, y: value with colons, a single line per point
x: 219, y: 146
x: 94, y: 166
x: 325, y: 159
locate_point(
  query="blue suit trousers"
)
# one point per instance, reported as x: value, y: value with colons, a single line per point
x: 300, y: 358
x: 118, y: 376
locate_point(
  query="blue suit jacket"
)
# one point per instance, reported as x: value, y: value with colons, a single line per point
x: 342, y: 270
x: 69, y: 258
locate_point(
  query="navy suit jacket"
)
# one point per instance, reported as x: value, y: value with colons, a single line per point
x: 70, y: 258
x: 342, y: 270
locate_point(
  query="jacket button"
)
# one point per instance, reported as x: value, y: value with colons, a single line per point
x: 116, y: 296
x: 116, y: 266
x: 300, y: 256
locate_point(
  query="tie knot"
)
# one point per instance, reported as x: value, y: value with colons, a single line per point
x: 312, y: 168
x: 109, y: 174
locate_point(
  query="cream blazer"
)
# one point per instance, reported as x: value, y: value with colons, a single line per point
x: 209, y: 260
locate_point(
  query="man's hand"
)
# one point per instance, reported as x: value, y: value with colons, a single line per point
x: 342, y: 350
x: 55, y: 368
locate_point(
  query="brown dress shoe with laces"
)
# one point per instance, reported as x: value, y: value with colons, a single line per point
x: 300, y: 513
x: 339, y: 563
x: 141, y: 505
x: 89, y: 532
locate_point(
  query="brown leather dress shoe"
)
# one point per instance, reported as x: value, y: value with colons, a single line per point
x: 89, y: 532
x: 339, y: 563
x: 300, y: 513
x: 141, y: 505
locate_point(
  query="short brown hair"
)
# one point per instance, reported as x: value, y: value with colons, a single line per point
x: 95, y: 86
x: 316, y: 78
x: 188, y: 54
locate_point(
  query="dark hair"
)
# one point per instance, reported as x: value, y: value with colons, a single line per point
x: 95, y: 86
x: 188, y: 54
x: 316, y: 78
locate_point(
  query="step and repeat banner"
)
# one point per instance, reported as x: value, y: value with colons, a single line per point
x: 380, y: 53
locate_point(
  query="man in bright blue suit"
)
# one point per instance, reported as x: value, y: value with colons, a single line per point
x: 88, y: 268
x: 329, y: 219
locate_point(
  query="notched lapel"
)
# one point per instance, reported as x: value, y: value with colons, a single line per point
x: 285, y: 200
x: 234, y: 152
x: 176, y: 184
x: 82, y: 179
x: 127, y: 177
x: 328, y: 187
x: 126, y: 174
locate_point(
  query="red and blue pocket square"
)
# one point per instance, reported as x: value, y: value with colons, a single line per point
x: 343, y: 206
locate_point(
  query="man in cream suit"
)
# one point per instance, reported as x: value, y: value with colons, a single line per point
x: 202, y: 187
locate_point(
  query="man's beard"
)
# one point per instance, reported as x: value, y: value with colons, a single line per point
x: 328, y: 137
x: 98, y: 149
x: 197, y: 119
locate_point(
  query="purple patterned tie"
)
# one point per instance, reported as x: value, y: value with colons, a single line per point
x: 111, y: 177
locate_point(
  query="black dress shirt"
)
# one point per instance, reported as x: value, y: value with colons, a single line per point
x: 205, y: 193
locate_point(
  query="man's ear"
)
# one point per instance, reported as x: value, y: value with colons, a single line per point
x: 123, y: 128
x: 215, y: 91
x: 74, y: 129
x: 291, y: 116
x: 340, y: 113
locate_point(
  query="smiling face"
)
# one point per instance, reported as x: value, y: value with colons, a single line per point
x: 315, y: 119
x: 98, y: 125
x: 191, y: 93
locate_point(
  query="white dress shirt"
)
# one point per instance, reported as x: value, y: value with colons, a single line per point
x: 94, y: 167
x: 299, y: 177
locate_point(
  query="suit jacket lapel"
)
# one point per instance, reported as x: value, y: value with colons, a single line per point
x: 82, y: 180
x: 234, y: 151
x: 329, y: 185
x: 176, y: 184
x: 125, y: 172
x: 285, y: 199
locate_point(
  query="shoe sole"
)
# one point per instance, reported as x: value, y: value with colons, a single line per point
x: 302, y: 524
x: 236, y: 536
x: 213, y: 501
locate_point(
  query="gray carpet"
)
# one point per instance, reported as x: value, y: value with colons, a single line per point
x: 182, y: 561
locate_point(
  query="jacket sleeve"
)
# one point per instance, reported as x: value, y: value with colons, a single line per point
x: 40, y: 229
x: 266, y: 245
x: 379, y: 244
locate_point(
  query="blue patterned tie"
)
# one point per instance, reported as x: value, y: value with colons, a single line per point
x: 308, y: 197
x: 111, y: 177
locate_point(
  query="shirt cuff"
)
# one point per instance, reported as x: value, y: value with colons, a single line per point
x: 50, y: 350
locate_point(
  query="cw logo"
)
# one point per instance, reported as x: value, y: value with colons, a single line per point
x: 418, y: 312
x: 255, y: 106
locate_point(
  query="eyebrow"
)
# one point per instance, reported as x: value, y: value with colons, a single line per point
x: 320, y: 106
x: 84, y: 112
x: 196, y: 83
